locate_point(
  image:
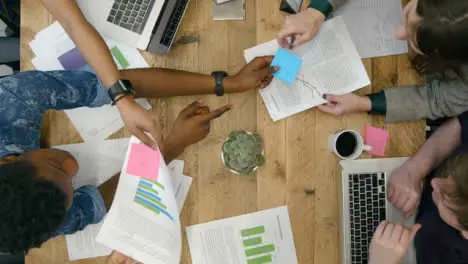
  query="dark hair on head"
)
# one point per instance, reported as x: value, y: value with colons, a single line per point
x: 442, y: 35
x: 456, y: 166
x: 31, y: 209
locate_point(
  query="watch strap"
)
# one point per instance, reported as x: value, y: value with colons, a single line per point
x: 121, y: 89
x: 219, y: 78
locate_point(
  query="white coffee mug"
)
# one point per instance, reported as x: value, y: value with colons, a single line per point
x: 359, y: 148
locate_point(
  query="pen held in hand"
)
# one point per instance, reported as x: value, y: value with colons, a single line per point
x: 291, y: 44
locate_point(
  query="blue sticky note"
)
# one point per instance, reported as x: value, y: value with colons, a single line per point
x: 289, y: 64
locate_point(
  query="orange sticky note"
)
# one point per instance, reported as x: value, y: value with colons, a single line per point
x: 143, y: 162
x: 377, y: 138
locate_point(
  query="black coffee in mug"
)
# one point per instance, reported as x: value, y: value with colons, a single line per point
x: 346, y: 144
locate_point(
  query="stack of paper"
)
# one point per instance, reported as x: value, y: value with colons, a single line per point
x: 56, y: 51
x: 180, y: 182
x: 98, y: 162
x: 330, y: 65
x: 143, y: 222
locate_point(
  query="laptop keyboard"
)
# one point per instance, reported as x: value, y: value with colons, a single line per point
x: 174, y: 22
x: 131, y: 14
x: 367, y: 196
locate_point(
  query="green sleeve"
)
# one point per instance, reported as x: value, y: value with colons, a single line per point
x: 378, y: 103
x: 323, y: 6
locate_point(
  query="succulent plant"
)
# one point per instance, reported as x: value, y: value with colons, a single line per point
x: 242, y: 152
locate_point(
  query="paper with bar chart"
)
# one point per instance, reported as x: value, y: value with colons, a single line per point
x: 143, y: 222
x: 256, y: 238
x: 55, y: 50
x: 147, y: 195
x: 98, y: 162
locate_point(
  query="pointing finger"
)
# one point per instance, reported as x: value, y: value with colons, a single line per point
x: 191, y: 109
x: 216, y: 113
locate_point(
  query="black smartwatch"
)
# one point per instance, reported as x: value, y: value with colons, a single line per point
x: 120, y: 89
x: 219, y: 78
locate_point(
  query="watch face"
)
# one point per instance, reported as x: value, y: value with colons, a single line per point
x: 126, y: 86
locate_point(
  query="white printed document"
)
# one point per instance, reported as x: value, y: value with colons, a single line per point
x: 330, y: 65
x: 372, y: 24
x: 98, y: 161
x: 256, y: 238
x: 143, y: 222
x: 83, y: 244
x: 180, y: 182
x: 55, y: 50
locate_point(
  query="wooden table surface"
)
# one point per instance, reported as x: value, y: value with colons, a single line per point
x: 299, y: 171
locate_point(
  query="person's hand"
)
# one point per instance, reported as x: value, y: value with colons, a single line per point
x: 139, y: 120
x: 255, y: 75
x: 192, y: 125
x: 345, y: 104
x: 404, y: 189
x: 390, y: 243
x: 303, y: 26
x: 119, y: 258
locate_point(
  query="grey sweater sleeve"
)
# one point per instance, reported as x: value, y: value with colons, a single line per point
x: 434, y: 100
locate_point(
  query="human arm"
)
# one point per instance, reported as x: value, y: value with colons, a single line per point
x: 191, y: 126
x: 404, y: 190
x: 306, y: 24
x: 97, y: 55
x: 158, y: 82
x: 433, y: 100
x: 86, y: 38
x: 390, y: 243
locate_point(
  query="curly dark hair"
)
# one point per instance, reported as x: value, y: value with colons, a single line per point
x: 31, y: 209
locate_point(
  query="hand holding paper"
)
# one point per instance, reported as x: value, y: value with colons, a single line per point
x: 143, y: 162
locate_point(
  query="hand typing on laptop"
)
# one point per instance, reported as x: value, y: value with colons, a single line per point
x: 390, y: 243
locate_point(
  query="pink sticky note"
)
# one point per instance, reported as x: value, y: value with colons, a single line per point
x: 143, y: 162
x: 377, y: 138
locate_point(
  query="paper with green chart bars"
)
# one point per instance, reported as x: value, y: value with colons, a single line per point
x: 256, y: 250
x: 256, y: 238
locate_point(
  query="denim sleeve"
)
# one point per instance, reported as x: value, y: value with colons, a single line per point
x: 87, y: 208
x: 25, y: 96
x: 58, y: 90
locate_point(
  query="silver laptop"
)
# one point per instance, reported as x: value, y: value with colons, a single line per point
x: 364, y: 205
x: 145, y: 24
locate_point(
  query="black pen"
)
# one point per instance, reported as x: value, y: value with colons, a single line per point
x: 293, y: 38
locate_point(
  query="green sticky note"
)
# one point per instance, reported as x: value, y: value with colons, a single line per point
x: 119, y: 57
